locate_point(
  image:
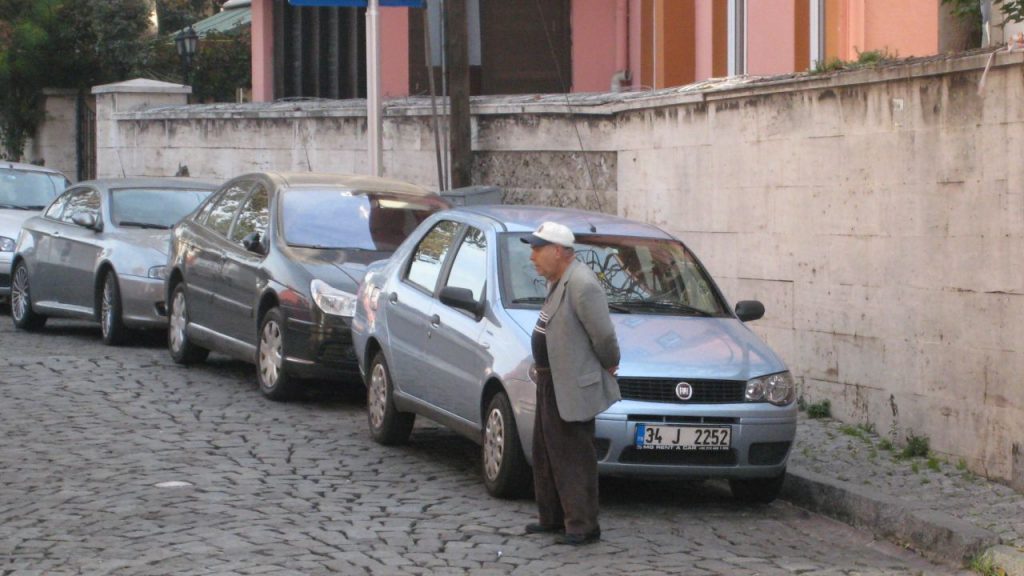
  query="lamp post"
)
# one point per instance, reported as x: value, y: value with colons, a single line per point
x: 187, y: 42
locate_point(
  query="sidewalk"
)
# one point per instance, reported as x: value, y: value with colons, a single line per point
x: 935, y: 507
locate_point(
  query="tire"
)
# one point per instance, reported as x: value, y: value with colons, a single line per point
x: 111, y: 319
x: 388, y: 426
x: 182, y: 350
x: 275, y: 382
x: 506, y: 473
x: 757, y: 490
x: 21, y: 301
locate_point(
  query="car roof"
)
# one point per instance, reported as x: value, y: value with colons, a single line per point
x: 152, y: 182
x: 517, y: 218
x: 29, y: 167
x: 360, y: 182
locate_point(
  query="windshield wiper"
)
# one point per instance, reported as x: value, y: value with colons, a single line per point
x: 618, y: 307
x: 529, y: 300
x: 663, y: 305
x: 148, y: 225
x: 16, y: 207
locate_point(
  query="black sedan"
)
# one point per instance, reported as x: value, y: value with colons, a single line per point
x: 267, y: 269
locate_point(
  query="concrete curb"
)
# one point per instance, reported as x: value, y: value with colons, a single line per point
x: 936, y: 535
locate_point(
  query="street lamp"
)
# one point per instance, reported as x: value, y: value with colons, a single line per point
x: 187, y: 42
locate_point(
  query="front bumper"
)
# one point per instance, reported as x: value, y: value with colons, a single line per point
x: 6, y: 258
x: 321, y: 349
x: 762, y: 436
x: 142, y: 300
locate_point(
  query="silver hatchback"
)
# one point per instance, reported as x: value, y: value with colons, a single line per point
x: 442, y: 329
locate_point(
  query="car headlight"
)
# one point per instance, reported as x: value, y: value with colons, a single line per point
x: 778, y: 389
x: 6, y: 244
x: 158, y: 272
x: 331, y: 300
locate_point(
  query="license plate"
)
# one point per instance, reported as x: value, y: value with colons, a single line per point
x: 650, y: 437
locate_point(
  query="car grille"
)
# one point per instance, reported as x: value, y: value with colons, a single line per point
x: 664, y: 390
x: 632, y: 455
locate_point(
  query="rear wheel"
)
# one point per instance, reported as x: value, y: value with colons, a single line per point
x: 757, y: 490
x: 111, y: 320
x: 21, y: 301
x: 506, y: 473
x: 275, y: 382
x: 387, y: 425
x: 182, y: 350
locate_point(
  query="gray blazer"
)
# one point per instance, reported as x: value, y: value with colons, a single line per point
x: 581, y: 345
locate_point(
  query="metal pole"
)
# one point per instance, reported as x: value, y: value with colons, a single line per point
x: 374, y: 124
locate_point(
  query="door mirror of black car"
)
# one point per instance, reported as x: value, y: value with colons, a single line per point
x: 747, y: 310
x: 85, y: 220
x: 253, y: 243
x: 461, y: 298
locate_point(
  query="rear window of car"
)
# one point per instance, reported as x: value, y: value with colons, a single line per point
x: 153, y: 207
x: 29, y: 190
x: 639, y: 275
x: 350, y: 219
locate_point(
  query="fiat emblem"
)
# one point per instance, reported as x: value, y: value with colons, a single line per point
x: 684, y: 391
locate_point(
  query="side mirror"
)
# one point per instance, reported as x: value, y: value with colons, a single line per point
x: 748, y: 310
x: 461, y: 298
x: 85, y: 220
x: 253, y: 243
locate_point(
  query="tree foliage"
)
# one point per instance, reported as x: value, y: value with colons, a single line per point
x: 970, y: 10
x: 173, y: 15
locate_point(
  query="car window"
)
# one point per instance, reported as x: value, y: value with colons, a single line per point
x: 639, y: 275
x: 224, y: 209
x: 82, y: 202
x: 58, y: 206
x: 428, y: 258
x: 153, y: 207
x: 469, y: 269
x: 342, y: 218
x: 27, y: 189
x: 254, y: 217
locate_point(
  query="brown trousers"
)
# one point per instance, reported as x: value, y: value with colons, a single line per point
x: 564, y: 465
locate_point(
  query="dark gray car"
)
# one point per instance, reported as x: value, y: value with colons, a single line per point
x: 98, y: 253
x: 266, y: 271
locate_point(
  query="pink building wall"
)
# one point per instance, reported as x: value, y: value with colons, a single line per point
x: 704, y: 47
x: 593, y: 44
x: 906, y: 28
x: 262, y: 51
x: 770, y: 36
x: 394, y: 52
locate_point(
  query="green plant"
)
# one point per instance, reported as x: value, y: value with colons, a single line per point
x: 984, y: 565
x: 961, y: 465
x: 885, y: 444
x: 917, y: 446
x: 915, y: 467
x: 821, y: 409
x: 934, y: 464
x: 851, y: 431
x: 867, y: 427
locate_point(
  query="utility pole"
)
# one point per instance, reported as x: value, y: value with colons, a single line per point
x: 457, y: 56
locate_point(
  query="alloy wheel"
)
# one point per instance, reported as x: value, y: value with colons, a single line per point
x: 270, y: 353
x: 378, y: 395
x: 494, y: 444
x: 19, y: 294
x: 107, y: 307
x: 178, y: 322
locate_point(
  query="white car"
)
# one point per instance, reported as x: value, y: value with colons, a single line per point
x: 25, y: 189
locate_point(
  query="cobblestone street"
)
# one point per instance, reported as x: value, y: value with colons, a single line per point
x: 92, y: 437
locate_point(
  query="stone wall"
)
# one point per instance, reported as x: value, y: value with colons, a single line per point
x: 879, y: 214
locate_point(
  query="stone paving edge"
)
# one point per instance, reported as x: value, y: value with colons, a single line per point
x: 935, y: 535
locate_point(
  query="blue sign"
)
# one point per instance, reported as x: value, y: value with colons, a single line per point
x: 358, y: 3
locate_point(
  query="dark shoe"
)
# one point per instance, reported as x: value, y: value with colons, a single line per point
x: 537, y: 528
x: 581, y: 539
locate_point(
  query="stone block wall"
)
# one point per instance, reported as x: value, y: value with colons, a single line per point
x: 878, y: 214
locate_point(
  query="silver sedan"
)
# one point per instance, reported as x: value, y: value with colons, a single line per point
x: 99, y: 252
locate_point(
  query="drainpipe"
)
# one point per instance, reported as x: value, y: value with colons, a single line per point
x: 622, y: 74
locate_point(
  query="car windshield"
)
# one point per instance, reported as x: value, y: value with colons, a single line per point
x: 28, y: 190
x: 339, y: 218
x: 153, y: 207
x: 639, y: 275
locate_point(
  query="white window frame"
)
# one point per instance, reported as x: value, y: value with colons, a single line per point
x: 817, y: 32
x: 738, y: 37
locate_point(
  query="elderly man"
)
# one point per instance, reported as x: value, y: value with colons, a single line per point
x: 576, y: 357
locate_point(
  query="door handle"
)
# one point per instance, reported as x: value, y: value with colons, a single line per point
x: 393, y: 298
x: 56, y: 232
x: 435, y: 321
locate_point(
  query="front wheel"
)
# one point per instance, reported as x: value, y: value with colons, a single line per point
x: 111, y: 320
x: 506, y: 473
x: 275, y: 382
x: 21, y: 301
x: 182, y: 350
x: 757, y: 490
x: 388, y: 426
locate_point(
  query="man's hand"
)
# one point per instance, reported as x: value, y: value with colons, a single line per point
x: 614, y: 370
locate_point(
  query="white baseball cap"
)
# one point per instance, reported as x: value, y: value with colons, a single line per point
x: 551, y: 233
